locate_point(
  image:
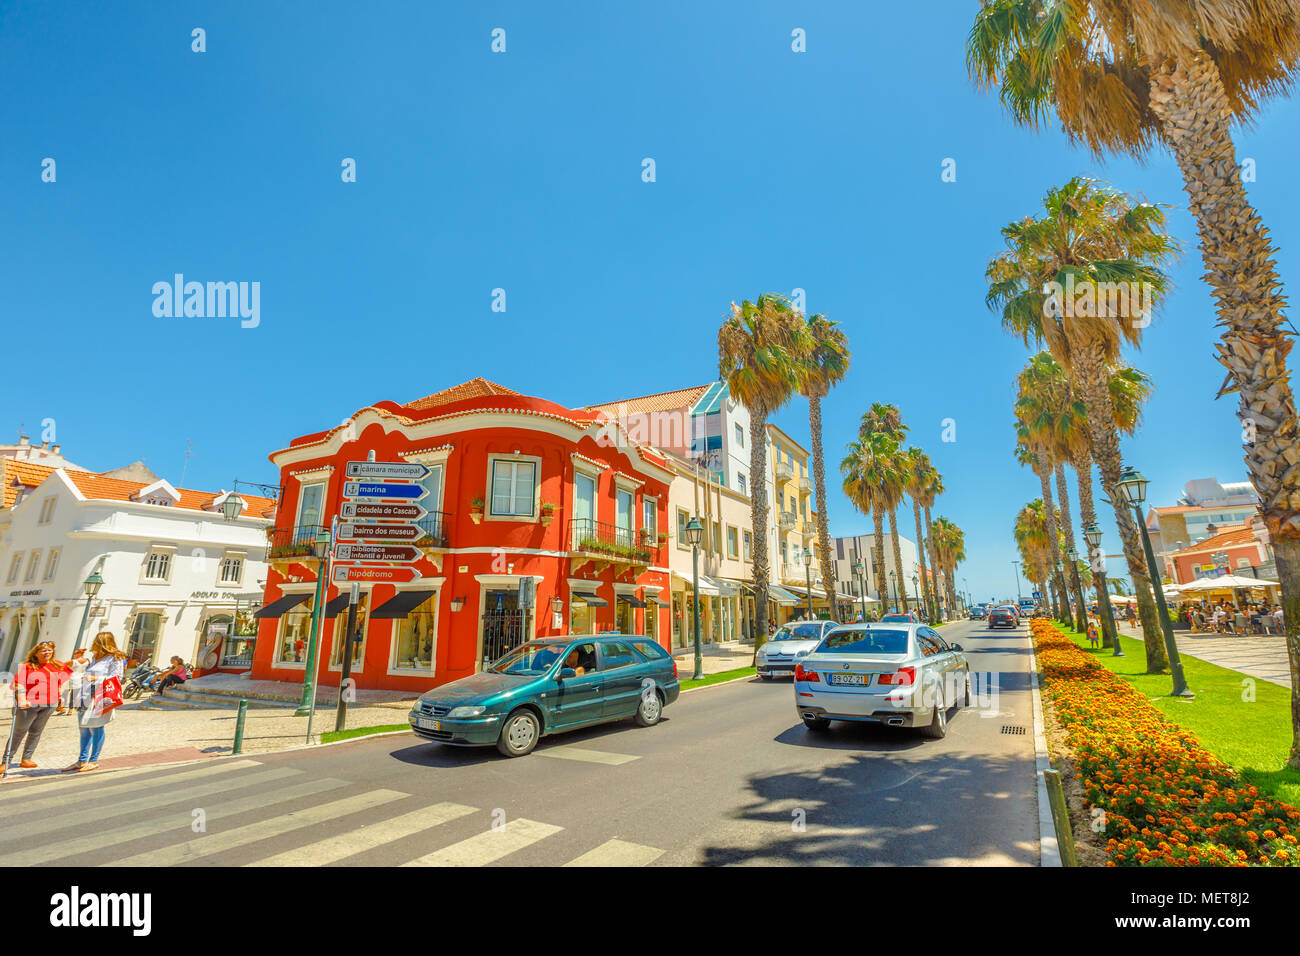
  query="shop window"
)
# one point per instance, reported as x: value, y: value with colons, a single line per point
x: 143, y: 641
x: 417, y: 637
x: 341, y: 635
x: 295, y: 626
x: 652, y: 619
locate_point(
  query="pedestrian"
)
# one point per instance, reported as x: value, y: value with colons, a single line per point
x: 101, y: 693
x: 36, y: 692
x: 178, y: 673
x: 1093, y: 639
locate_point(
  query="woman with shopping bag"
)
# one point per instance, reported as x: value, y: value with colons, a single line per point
x: 101, y: 694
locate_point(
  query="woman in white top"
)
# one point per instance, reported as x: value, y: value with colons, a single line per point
x: 106, y: 661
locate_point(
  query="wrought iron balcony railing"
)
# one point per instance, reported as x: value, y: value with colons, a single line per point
x: 611, y: 542
x: 433, y: 528
x: 296, y: 542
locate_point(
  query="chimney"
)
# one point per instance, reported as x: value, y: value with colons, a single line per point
x: 55, y: 449
x: 23, y: 439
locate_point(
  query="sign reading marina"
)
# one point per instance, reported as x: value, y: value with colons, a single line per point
x: 376, y: 489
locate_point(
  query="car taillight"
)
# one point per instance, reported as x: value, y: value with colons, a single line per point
x: 905, y: 677
x: 803, y: 675
x: 674, y: 668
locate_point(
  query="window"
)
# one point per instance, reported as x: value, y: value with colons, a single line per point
x: 682, y: 519
x: 52, y: 563
x: 33, y: 563
x: 144, y: 637
x: 584, y: 500
x: 623, y: 511
x: 158, y: 566
x: 740, y: 482
x: 717, y: 537
x: 310, y: 502
x: 748, y: 552
x: 732, y: 549
x: 294, y: 628
x: 514, y: 485
x: 231, y: 570
x: 47, y: 510
x: 341, y: 634
x: 785, y: 556
x: 14, y: 567
x: 650, y: 515
x: 616, y: 655
x: 740, y: 437
x: 417, y: 636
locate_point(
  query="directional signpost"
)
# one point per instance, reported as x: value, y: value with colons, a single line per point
x: 351, y: 531
x: 382, y: 489
x: 377, y: 552
x: 398, y: 574
x: 400, y: 470
x: 382, y: 511
x: 377, y: 526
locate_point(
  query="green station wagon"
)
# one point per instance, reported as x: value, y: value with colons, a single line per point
x: 550, y: 686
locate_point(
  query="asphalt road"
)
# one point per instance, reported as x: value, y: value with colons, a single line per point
x: 729, y: 776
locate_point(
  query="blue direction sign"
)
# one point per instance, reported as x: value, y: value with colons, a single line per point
x: 391, y: 470
x: 381, y: 489
x: 1037, y: 596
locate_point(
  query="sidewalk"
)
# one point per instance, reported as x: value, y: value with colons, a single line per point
x: 715, y: 658
x: 1261, y: 656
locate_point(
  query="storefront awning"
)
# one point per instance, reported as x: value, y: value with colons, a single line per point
x: 631, y: 599
x: 337, y: 606
x: 588, y: 597
x: 782, y: 597
x: 277, y: 608
x: 400, y: 605
x: 661, y: 602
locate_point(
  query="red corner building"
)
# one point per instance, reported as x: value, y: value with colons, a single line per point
x: 518, y: 486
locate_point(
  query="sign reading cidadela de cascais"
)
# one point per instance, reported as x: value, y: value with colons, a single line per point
x: 390, y: 470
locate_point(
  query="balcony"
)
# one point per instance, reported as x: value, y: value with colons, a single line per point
x: 292, y: 545
x: 783, y: 471
x: 786, y: 521
x: 433, y: 527
x: 603, y: 544
x: 805, y: 485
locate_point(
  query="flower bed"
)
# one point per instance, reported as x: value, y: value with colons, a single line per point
x: 1166, y: 800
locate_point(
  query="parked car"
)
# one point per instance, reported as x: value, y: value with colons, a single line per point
x: 550, y: 686
x: 789, y: 645
x: 900, y: 675
x: 1004, y: 616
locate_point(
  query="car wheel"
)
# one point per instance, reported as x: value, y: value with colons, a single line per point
x: 649, y: 710
x: 938, y: 728
x: 816, y: 723
x: 519, y: 734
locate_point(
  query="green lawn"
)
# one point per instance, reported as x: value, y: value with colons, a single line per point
x: 332, y: 735
x: 719, y: 677
x: 1252, y: 736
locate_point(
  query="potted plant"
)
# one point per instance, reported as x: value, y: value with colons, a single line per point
x: 476, y: 510
x: 548, y: 512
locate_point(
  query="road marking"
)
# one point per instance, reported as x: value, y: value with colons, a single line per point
x: 74, y: 780
x: 368, y: 837
x: 76, y: 816
x: 490, y: 846
x: 88, y: 838
x: 571, y: 752
x: 618, y: 853
x: 213, y: 843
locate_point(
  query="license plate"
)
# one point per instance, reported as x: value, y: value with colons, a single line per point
x: 428, y: 723
x: 856, y: 680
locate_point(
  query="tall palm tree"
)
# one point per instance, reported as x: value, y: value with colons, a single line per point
x: 885, y: 419
x: 1030, y: 532
x: 868, y: 471
x: 952, y: 551
x: 823, y: 367
x: 1093, y: 237
x: 760, y: 346
x: 916, y: 476
x: 1036, y: 460
x: 1126, y: 75
x: 933, y: 489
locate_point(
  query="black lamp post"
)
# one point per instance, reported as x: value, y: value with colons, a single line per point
x: 91, y: 587
x: 893, y: 585
x: 694, y: 535
x: 807, y: 574
x: 859, y: 569
x: 1134, y: 486
x: 1092, y: 534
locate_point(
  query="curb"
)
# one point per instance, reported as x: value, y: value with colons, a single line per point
x: 721, y: 683
x: 1049, y: 851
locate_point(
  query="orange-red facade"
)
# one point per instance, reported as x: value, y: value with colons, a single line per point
x: 519, y: 487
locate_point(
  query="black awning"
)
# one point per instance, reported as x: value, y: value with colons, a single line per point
x: 277, y: 608
x: 631, y: 599
x: 337, y: 606
x: 587, y: 597
x: 400, y: 605
x: 661, y: 602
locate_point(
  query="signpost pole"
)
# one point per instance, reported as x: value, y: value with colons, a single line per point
x: 353, y: 598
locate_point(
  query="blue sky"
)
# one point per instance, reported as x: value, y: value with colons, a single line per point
x: 522, y: 170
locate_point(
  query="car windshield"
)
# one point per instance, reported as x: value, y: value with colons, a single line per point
x: 870, y: 641
x: 532, y: 658
x: 808, y: 630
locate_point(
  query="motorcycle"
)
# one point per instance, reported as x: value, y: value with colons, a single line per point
x: 136, y: 683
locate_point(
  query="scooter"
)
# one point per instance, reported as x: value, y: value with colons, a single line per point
x: 135, y: 685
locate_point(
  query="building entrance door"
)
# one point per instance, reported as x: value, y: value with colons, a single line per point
x: 504, y: 625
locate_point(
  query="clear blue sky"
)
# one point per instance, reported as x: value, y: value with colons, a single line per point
x: 522, y: 170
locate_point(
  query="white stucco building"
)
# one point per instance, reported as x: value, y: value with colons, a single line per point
x: 173, y: 567
x: 846, y: 551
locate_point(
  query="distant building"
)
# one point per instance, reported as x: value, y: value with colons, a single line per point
x: 45, y: 454
x: 1204, y: 507
x: 847, y: 551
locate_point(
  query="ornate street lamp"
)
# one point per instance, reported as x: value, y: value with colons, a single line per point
x: 232, y: 506
x: 1133, y: 485
x: 1092, y: 534
x: 859, y: 571
x: 694, y: 535
x: 807, y: 573
x: 91, y: 587
x: 893, y: 585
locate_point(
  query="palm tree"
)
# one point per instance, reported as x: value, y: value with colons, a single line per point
x: 868, y: 471
x: 1027, y: 455
x: 933, y: 489
x: 916, y: 475
x: 823, y: 367
x: 1030, y: 531
x: 951, y: 542
x: 1125, y: 75
x: 885, y: 419
x: 759, y: 353
x: 1092, y: 237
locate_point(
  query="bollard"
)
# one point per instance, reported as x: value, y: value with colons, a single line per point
x: 239, y: 728
x: 1060, y: 817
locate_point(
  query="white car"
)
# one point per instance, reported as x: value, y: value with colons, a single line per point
x: 789, y: 645
x: 900, y: 675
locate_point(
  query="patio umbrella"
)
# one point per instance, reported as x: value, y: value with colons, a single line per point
x: 1226, y: 582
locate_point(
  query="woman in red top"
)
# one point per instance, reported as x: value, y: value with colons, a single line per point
x: 36, y: 694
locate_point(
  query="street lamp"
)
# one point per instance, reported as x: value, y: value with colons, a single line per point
x: 694, y: 535
x: 807, y: 574
x: 1016, y: 565
x: 91, y: 587
x: 232, y: 506
x: 859, y: 570
x: 1092, y: 534
x: 321, y: 548
x: 916, y: 589
x: 893, y: 584
x: 1134, y: 487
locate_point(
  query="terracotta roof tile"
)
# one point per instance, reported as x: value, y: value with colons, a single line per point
x: 1232, y: 537
x: 100, y: 488
x: 474, y: 388
x: 658, y: 402
x: 25, y: 473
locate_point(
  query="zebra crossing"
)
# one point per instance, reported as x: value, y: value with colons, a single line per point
x: 118, y: 822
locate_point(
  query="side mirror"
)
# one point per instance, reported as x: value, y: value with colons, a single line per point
x: 566, y: 672
x: 955, y: 647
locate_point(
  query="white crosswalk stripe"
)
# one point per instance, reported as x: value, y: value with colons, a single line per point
x: 490, y: 846
x: 212, y: 843
x: 570, y: 752
x: 618, y: 853
x: 368, y: 837
x: 88, y: 837
x: 111, y: 782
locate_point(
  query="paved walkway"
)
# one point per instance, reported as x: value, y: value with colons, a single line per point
x: 714, y: 658
x: 1262, y: 656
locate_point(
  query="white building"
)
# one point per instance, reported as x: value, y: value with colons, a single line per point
x: 848, y: 550
x: 173, y: 568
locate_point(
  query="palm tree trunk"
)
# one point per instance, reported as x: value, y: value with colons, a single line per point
x: 934, y: 560
x: 878, y: 558
x: 920, y: 556
x: 819, y: 487
x: 1187, y: 96
x: 1067, y: 527
x: 898, y: 560
x: 1091, y: 382
x: 758, y: 513
x: 1053, y: 546
x: 1088, y: 514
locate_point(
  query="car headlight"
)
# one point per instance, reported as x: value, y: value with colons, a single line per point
x: 460, y: 713
x: 802, y: 653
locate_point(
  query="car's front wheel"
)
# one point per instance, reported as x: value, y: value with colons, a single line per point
x: 519, y: 734
x: 650, y: 709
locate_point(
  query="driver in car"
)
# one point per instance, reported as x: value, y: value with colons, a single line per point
x: 572, y: 661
